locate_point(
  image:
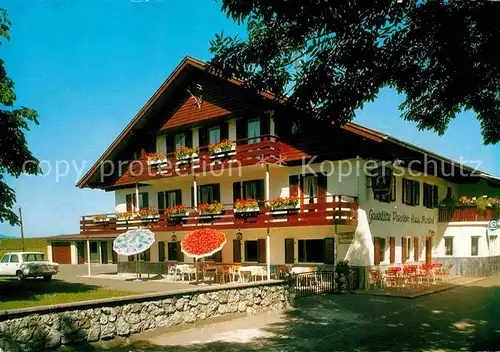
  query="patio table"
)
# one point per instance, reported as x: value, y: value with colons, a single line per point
x: 253, y: 270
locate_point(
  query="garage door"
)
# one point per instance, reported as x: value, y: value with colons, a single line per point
x: 61, y: 252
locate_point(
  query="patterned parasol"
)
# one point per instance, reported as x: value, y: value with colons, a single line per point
x: 203, y: 243
x: 133, y: 242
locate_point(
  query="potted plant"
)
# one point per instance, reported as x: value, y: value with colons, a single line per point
x: 211, y: 209
x: 284, y: 203
x: 222, y: 147
x: 148, y: 213
x: 186, y: 153
x: 100, y: 218
x: 156, y: 158
x: 123, y: 216
x: 177, y: 211
x: 246, y: 206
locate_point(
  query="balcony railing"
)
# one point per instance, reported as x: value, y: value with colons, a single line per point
x: 338, y: 209
x: 466, y: 213
x: 245, y: 152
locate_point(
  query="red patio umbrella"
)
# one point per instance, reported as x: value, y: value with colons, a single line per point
x: 202, y: 243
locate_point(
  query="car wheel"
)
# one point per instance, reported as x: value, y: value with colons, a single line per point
x: 47, y: 277
x: 20, y: 276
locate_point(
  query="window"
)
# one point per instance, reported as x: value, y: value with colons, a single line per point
x: 161, y: 251
x: 253, y: 189
x: 296, y: 128
x: 33, y: 257
x: 251, y: 251
x: 146, y: 255
x: 474, y: 248
x: 180, y: 140
x: 310, y: 188
x: 170, y: 198
x: 408, y: 248
x: 311, y: 251
x: 391, y: 197
x: 214, y: 135
x: 411, y: 192
x: 132, y: 203
x: 430, y: 196
x: 93, y: 247
x: 5, y: 258
x: 209, y: 194
x: 172, y: 251
x: 448, y: 246
x: 253, y: 130
x: 14, y: 258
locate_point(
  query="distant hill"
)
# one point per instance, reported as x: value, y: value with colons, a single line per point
x: 15, y: 244
x: 3, y: 236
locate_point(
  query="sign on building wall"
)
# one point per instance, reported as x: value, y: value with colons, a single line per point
x: 381, y: 181
x: 346, y: 237
x: 493, y: 225
x: 399, y: 217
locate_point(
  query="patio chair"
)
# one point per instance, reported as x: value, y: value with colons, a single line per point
x: 234, y: 272
x: 172, y: 271
x: 221, y: 272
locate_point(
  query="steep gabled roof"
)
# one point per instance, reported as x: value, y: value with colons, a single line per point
x: 188, y: 63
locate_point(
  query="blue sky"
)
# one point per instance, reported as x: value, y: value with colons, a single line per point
x: 88, y: 66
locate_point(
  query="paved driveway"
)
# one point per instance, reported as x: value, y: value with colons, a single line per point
x: 77, y: 273
x: 464, y: 318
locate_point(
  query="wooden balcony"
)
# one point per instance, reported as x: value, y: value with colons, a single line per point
x: 465, y: 213
x: 248, y: 151
x: 342, y: 210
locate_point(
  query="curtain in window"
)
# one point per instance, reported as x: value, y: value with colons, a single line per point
x: 214, y: 135
x: 172, y: 199
x: 251, y: 190
x: 180, y: 140
x: 207, y: 195
x: 310, y: 188
x: 253, y: 130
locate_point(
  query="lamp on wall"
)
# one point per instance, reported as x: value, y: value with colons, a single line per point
x: 239, y: 235
x: 174, y: 237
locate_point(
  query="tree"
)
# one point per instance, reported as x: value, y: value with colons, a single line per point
x: 15, y: 157
x: 329, y: 57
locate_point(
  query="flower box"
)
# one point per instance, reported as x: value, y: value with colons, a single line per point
x: 148, y: 214
x: 125, y: 216
x: 178, y: 215
x: 224, y: 146
x: 283, y: 203
x: 185, y: 153
x: 99, y: 219
x: 156, y: 158
x: 247, y: 210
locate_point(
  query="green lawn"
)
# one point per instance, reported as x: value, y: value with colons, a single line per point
x: 36, y: 292
x: 15, y: 245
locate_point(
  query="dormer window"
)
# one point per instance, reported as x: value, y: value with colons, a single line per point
x: 214, y: 135
x: 180, y: 140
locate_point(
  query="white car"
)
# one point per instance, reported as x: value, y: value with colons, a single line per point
x: 27, y: 264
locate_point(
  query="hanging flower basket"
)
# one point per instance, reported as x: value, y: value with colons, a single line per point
x: 203, y: 243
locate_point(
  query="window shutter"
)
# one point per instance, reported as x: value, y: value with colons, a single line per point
x: 322, y: 187
x: 161, y: 251
x: 260, y: 190
x: 404, y: 189
x: 224, y: 130
x: 435, y: 197
x: 170, y: 143
x: 417, y: 193
x: 202, y: 136
x: 289, y: 250
x: 416, y: 250
x: 392, y: 243
x: 403, y: 250
x: 189, y: 138
x: 180, y: 255
x: 236, y: 251
x: 178, y: 197
x: 128, y: 200
x: 261, y: 250
x: 144, y: 200
x: 217, y: 192
x: 265, y: 125
x: 293, y: 184
x: 161, y: 200
x: 329, y: 251
x: 376, y: 254
x: 192, y: 197
x: 241, y: 130
x: 218, y: 256
x: 236, y: 191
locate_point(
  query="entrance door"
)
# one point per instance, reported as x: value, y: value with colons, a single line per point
x: 80, y: 250
x: 94, y: 253
x: 428, y: 250
x: 104, y: 252
x: 61, y: 252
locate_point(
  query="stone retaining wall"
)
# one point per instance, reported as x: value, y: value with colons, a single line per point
x: 39, y: 329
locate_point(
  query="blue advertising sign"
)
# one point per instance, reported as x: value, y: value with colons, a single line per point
x: 493, y: 225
